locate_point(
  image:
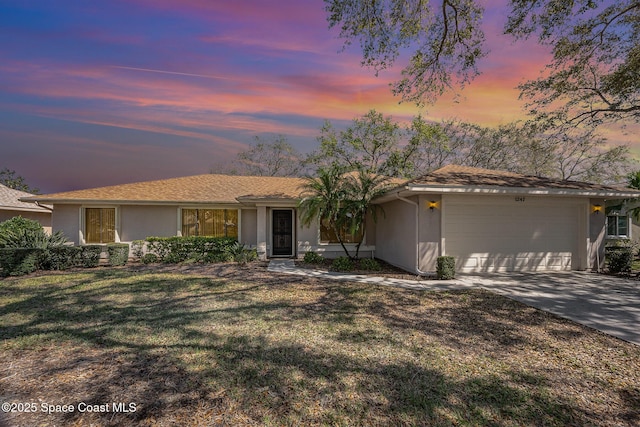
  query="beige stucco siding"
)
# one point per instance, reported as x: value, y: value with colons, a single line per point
x: 396, y: 234
x: 140, y: 222
x: 248, y: 226
x: 66, y: 218
x: 515, y: 233
x: 429, y: 229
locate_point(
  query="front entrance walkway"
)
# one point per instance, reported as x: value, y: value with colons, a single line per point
x: 606, y: 303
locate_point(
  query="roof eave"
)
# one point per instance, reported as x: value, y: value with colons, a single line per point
x: 439, y: 189
x: 133, y: 202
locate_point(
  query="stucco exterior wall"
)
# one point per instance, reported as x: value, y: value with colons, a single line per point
x: 140, y: 222
x: 396, y: 234
x: 66, y: 218
x: 43, y: 218
x: 429, y: 232
x: 248, y: 227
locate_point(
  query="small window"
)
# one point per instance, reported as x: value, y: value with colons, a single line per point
x: 327, y: 235
x: 210, y: 222
x: 618, y: 226
x: 100, y: 225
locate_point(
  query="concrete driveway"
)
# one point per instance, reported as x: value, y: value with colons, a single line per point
x: 606, y: 303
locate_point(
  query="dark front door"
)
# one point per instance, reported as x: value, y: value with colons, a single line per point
x: 282, y: 232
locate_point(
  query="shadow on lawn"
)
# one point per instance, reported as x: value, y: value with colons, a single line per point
x: 171, y: 346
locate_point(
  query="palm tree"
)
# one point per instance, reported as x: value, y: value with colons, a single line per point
x: 361, y: 188
x: 344, y: 200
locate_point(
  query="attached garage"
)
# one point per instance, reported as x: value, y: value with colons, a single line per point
x: 514, y: 233
x: 492, y: 221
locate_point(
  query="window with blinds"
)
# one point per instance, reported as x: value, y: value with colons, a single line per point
x: 210, y: 222
x: 100, y: 225
x: 328, y: 235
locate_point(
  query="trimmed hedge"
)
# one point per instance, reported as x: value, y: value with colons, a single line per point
x: 61, y: 258
x: 19, y: 261
x: 446, y: 267
x: 118, y: 253
x: 90, y: 256
x: 199, y: 249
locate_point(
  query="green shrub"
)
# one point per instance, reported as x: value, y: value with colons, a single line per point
x: 446, y: 267
x: 619, y: 259
x: 149, y: 259
x: 137, y: 249
x: 118, y: 253
x: 313, y: 258
x: 370, y: 264
x: 61, y: 258
x: 17, y: 225
x: 19, y: 261
x: 198, y: 248
x: 20, y: 232
x: 90, y: 255
x: 342, y: 264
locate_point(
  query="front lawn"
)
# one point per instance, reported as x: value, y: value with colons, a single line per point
x: 228, y: 346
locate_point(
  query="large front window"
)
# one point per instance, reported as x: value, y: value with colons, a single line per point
x: 328, y: 235
x: 210, y: 222
x: 100, y: 225
x: 618, y: 226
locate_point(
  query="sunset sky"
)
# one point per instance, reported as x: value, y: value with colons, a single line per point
x: 101, y: 93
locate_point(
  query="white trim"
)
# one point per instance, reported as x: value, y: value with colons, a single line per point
x: 523, y: 190
x: 81, y: 228
x: 621, y: 236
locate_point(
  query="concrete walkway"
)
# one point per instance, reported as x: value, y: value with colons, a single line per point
x: 608, y: 304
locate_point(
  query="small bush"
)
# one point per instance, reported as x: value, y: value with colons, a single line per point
x: 342, y: 264
x: 149, y: 259
x: 90, y: 256
x: 118, y: 253
x: 313, y: 258
x: 370, y: 264
x: 62, y: 258
x: 446, y: 267
x: 137, y: 249
x: 19, y: 261
x: 619, y: 259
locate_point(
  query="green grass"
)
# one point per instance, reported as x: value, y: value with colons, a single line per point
x: 279, y: 350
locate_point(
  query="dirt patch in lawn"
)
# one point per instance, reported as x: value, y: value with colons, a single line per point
x: 221, y: 345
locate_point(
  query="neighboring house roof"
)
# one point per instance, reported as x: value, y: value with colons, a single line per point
x: 462, y: 179
x: 10, y: 200
x: 198, y: 189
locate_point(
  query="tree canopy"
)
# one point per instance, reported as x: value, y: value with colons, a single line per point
x: 594, y: 75
x: 9, y: 178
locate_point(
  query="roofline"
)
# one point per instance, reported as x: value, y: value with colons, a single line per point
x: 24, y: 209
x: 462, y: 189
x: 133, y: 202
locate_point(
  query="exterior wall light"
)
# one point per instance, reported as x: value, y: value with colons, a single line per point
x: 597, y: 209
x: 432, y: 204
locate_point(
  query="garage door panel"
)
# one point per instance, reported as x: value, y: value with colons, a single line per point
x: 508, y: 236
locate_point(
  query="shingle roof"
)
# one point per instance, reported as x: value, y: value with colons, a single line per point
x: 458, y: 176
x: 10, y: 200
x: 209, y: 188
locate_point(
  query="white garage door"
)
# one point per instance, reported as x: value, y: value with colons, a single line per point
x: 496, y: 233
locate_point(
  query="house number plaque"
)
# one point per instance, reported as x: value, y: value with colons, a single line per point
x: 519, y: 198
